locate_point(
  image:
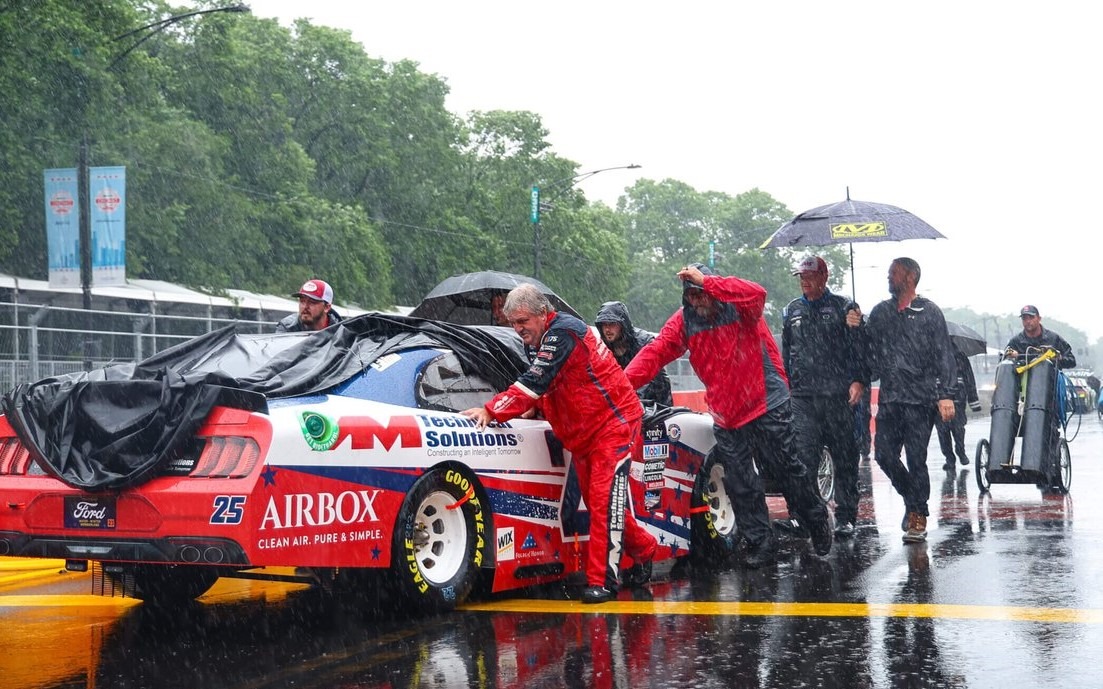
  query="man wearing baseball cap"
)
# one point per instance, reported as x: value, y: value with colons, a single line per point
x: 1036, y: 339
x: 315, y: 310
x: 828, y: 375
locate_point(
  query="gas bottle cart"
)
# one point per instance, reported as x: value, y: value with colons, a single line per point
x: 1030, y: 410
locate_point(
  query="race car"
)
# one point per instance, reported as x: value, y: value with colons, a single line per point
x: 329, y: 452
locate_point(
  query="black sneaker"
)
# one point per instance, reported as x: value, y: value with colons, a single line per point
x: 821, y: 536
x: 791, y: 528
x: 964, y: 460
x: 597, y: 594
x: 638, y: 574
x: 760, y: 554
x: 949, y: 465
x: 844, y: 529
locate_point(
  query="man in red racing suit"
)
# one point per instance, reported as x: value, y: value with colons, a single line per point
x: 576, y: 382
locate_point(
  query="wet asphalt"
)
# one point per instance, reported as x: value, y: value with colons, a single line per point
x: 1005, y: 593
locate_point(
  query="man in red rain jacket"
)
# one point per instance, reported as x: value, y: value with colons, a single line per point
x: 734, y: 354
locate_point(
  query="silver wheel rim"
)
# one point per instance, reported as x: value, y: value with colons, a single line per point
x: 440, y: 538
x: 720, y: 504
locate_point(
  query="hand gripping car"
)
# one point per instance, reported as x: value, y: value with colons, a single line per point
x: 335, y: 453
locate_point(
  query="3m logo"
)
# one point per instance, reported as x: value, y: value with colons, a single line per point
x: 365, y: 430
x: 859, y: 230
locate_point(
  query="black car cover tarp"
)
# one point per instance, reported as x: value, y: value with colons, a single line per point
x: 111, y: 428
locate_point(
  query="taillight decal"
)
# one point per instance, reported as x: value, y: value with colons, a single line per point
x: 14, y: 458
x: 227, y: 457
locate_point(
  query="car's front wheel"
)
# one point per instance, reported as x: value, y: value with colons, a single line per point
x: 439, y: 540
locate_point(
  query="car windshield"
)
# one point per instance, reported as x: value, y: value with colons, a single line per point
x: 423, y: 377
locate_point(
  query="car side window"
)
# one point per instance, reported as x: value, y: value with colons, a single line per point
x: 443, y: 385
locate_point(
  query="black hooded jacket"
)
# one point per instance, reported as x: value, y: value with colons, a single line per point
x: 634, y: 339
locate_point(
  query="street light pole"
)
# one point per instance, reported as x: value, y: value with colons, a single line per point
x: 557, y: 188
x: 84, y: 225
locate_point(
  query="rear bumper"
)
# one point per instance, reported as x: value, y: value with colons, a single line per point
x: 176, y: 550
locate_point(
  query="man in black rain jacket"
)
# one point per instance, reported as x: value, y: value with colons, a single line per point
x: 625, y: 341
x: 825, y: 362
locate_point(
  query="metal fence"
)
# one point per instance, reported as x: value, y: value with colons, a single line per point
x: 39, y: 340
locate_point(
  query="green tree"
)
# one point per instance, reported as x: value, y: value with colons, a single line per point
x: 672, y: 225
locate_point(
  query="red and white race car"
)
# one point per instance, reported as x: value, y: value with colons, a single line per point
x: 331, y: 451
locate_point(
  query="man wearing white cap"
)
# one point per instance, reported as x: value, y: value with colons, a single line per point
x: 315, y: 310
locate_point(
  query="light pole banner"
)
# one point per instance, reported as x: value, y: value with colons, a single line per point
x: 107, y: 195
x: 62, y: 227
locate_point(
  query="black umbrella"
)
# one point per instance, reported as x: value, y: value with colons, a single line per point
x: 465, y: 299
x: 847, y: 222
x: 965, y: 339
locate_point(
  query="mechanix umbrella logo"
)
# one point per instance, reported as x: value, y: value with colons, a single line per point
x: 848, y: 231
x: 319, y: 430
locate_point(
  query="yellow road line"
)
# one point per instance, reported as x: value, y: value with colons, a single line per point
x: 13, y: 580
x: 16, y: 564
x: 67, y: 601
x: 932, y: 610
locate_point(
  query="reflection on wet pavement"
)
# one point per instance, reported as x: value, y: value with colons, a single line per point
x: 1005, y: 592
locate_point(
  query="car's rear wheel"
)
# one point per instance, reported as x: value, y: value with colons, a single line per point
x: 713, y: 515
x: 164, y: 584
x: 439, y: 540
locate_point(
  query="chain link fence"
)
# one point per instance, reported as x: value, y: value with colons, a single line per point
x: 39, y: 340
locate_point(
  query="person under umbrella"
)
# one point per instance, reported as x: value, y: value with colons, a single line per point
x: 825, y: 361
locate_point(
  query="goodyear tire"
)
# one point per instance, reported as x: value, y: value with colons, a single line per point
x: 714, y: 531
x: 165, y: 584
x: 439, y: 540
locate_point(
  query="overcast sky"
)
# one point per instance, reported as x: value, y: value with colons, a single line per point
x: 982, y: 118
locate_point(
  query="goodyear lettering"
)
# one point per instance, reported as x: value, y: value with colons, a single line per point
x: 456, y: 478
x: 320, y: 509
x: 479, y: 529
x: 364, y: 431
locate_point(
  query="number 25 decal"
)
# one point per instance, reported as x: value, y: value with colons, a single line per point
x: 228, y: 509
